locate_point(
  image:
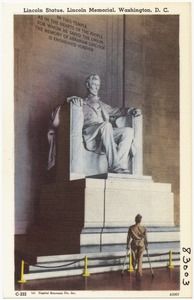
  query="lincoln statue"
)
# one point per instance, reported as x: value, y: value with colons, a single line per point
x: 99, y: 134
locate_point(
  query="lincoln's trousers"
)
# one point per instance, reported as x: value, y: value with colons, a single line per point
x: 117, y: 144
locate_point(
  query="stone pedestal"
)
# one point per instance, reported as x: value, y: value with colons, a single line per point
x: 115, y: 201
x: 111, y: 206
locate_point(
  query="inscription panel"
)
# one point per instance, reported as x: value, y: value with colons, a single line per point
x: 70, y: 32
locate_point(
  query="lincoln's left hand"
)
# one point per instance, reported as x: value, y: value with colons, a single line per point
x: 136, y: 112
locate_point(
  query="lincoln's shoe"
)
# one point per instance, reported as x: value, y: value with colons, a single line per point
x: 119, y: 170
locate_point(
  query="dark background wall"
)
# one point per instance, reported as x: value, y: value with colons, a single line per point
x: 137, y: 58
x: 151, y: 66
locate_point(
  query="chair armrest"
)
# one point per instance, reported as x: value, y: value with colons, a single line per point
x: 76, y: 139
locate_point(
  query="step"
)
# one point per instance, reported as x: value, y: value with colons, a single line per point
x: 73, y: 265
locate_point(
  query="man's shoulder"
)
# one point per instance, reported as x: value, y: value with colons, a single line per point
x: 143, y: 227
x: 132, y: 226
x: 135, y: 225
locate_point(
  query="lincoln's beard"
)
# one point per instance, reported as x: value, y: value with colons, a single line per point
x: 91, y: 96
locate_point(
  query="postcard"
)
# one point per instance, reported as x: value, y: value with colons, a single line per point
x: 97, y: 150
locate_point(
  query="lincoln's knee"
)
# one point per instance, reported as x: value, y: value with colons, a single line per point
x: 107, y: 127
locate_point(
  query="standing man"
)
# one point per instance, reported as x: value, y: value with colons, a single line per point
x: 98, y: 133
x: 137, y: 239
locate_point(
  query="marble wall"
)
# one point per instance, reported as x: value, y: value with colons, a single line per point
x: 152, y: 83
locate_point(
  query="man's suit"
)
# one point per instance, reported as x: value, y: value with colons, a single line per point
x: 137, y: 237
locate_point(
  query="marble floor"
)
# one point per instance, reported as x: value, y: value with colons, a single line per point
x: 163, y: 279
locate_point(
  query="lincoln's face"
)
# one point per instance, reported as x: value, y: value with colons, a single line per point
x: 93, y: 87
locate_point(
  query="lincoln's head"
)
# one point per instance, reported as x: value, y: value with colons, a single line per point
x: 138, y: 218
x: 93, y: 84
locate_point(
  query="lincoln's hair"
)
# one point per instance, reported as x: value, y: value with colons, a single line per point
x: 90, y: 78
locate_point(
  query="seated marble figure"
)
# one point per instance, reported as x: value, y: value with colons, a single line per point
x: 99, y: 133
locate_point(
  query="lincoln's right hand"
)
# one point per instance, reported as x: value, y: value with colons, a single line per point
x: 75, y: 100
